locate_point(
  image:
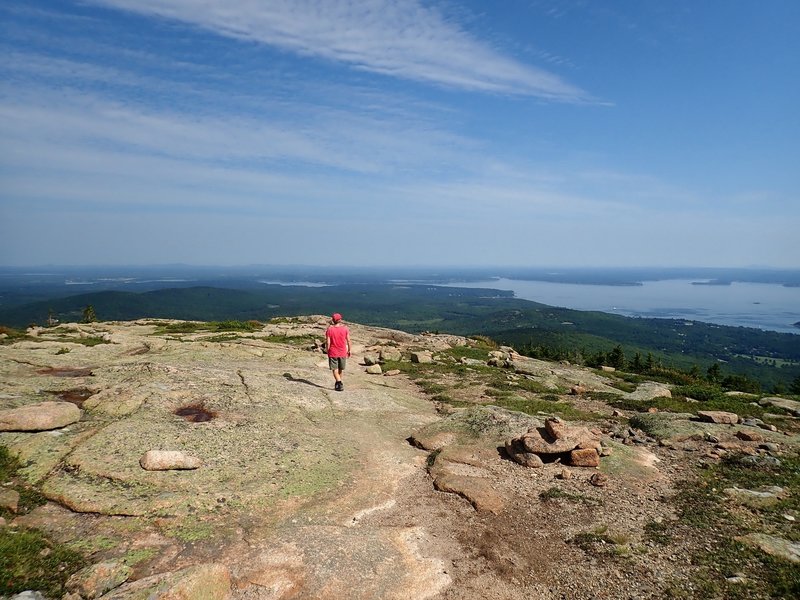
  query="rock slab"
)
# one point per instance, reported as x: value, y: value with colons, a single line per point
x: 96, y: 580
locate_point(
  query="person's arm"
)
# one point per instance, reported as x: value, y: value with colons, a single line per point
x: 348, y: 343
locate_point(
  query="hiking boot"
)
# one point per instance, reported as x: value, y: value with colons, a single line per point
x: 339, y: 386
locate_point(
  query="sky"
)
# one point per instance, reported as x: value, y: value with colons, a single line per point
x: 400, y: 132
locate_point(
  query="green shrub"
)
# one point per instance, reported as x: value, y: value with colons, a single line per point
x: 704, y: 393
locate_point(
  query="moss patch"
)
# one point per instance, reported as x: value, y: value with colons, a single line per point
x: 31, y: 561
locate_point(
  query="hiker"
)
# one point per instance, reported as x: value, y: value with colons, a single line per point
x: 337, y: 340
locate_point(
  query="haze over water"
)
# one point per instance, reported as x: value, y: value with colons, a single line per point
x: 765, y: 306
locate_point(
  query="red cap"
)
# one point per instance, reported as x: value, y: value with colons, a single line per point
x: 336, y: 317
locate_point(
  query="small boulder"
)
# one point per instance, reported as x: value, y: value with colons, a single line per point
x: 760, y: 498
x: 167, y: 460
x: 42, y: 416
x: 9, y: 499
x: 371, y: 359
x: 516, y: 450
x: 556, y: 428
x: 577, y: 390
x: 392, y: 373
x: 28, y: 595
x: 599, y: 479
x: 584, y: 458
x: 749, y: 436
x: 390, y: 354
x: 422, y: 357
x: 773, y: 545
x: 718, y: 416
x: 374, y: 369
x: 607, y: 369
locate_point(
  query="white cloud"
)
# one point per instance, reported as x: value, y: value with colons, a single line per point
x: 316, y: 137
x: 398, y: 38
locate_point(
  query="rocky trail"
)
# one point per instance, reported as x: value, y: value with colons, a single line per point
x: 178, y: 461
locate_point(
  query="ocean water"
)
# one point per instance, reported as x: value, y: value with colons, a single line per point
x: 761, y: 305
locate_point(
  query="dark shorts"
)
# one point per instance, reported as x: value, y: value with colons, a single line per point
x: 337, y: 363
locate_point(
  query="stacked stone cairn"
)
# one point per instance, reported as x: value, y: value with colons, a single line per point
x: 556, y: 442
x: 504, y: 357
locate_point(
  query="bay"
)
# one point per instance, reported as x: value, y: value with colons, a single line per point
x: 761, y: 305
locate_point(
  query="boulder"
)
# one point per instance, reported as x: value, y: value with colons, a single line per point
x: 392, y: 373
x: 718, y: 416
x: 374, y: 370
x: 517, y: 452
x: 599, y: 479
x: 584, y: 458
x: 773, y: 545
x: 390, y: 354
x: 556, y: 428
x: 9, y: 499
x: 166, y: 460
x: 28, y: 595
x: 422, y: 357
x: 749, y: 436
x: 39, y: 417
x: 760, y: 498
x: 792, y: 406
x: 371, y: 359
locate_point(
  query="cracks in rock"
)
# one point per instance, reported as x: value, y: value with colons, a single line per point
x: 244, y: 383
x: 25, y: 362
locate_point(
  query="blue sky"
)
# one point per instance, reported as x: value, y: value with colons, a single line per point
x: 400, y: 132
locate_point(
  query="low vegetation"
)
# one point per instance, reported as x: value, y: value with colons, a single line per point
x: 708, y: 518
x: 30, y: 560
x: 210, y: 326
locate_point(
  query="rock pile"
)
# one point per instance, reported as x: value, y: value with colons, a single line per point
x: 504, y: 357
x: 576, y: 446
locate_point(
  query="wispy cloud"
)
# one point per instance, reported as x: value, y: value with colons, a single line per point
x: 397, y: 38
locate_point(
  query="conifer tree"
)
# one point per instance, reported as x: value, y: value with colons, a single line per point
x: 89, y: 316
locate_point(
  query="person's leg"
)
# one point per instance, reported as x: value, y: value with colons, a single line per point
x: 341, y: 365
x: 333, y: 364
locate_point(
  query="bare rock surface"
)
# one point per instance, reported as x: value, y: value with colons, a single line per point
x: 649, y: 390
x: 380, y: 491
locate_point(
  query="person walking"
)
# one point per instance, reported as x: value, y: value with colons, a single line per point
x: 337, y: 340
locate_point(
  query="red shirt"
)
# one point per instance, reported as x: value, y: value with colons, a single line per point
x: 337, y: 341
